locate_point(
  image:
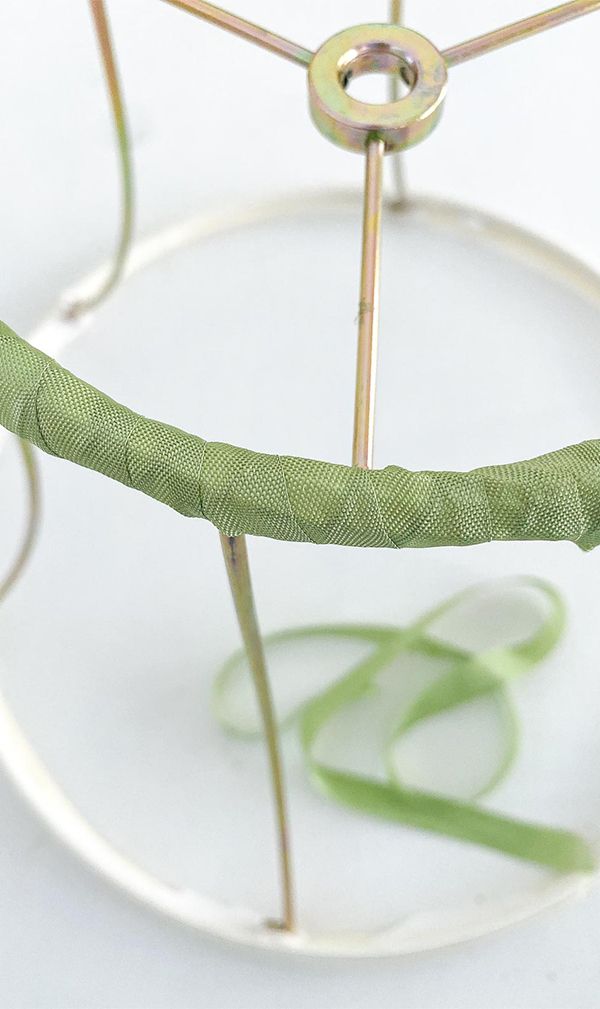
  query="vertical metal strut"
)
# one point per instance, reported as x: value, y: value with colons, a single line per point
x: 368, y: 309
x: 235, y: 553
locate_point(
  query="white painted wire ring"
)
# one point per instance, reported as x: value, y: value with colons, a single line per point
x: 43, y: 792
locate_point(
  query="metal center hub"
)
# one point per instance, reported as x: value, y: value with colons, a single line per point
x: 378, y: 48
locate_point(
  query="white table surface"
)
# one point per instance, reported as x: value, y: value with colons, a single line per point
x: 67, y: 939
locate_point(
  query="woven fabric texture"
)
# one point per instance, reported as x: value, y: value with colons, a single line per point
x: 553, y: 497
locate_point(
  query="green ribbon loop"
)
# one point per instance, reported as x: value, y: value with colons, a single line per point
x: 471, y: 675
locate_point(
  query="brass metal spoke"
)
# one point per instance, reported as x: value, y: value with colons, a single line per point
x: 518, y: 30
x: 246, y: 30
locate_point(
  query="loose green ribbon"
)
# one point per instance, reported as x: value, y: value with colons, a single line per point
x: 471, y: 675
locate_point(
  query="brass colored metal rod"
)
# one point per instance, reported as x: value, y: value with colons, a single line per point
x: 396, y: 11
x: 368, y: 311
x: 246, y: 30
x: 397, y: 160
x: 105, y: 45
x: 235, y: 553
x: 519, y: 30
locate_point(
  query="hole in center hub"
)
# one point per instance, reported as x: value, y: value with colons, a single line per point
x: 366, y: 73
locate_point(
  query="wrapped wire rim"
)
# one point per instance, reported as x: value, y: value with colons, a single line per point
x: 415, y: 933
x: 551, y: 497
x: 555, y: 496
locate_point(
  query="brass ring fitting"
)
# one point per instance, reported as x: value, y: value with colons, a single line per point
x: 376, y: 48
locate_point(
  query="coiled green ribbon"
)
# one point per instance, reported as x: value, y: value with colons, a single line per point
x: 471, y: 675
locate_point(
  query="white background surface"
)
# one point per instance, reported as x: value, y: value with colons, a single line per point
x: 517, y: 138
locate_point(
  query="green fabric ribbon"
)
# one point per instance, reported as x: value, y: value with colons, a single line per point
x: 470, y: 675
x: 552, y: 497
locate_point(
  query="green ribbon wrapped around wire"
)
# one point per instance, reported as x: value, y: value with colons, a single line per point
x: 470, y: 675
x: 553, y: 497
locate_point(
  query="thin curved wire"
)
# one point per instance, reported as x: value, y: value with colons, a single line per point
x: 32, y: 524
x: 119, y: 117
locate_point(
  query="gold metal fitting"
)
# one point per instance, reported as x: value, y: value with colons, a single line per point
x: 368, y: 49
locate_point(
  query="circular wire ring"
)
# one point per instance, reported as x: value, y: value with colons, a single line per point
x: 44, y: 793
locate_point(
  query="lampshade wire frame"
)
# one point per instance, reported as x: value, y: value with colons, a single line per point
x: 235, y: 548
